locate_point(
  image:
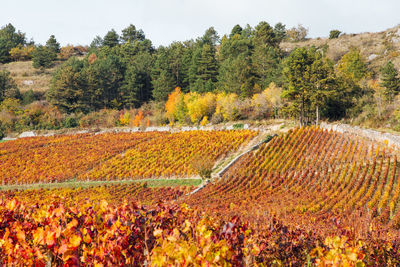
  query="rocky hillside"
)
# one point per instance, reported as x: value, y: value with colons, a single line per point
x: 378, y: 48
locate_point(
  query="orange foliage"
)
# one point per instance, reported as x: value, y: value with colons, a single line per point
x: 138, y: 119
x: 92, y: 58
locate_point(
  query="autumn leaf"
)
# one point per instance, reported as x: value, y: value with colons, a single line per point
x: 74, y: 241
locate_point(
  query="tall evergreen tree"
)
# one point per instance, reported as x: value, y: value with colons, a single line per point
x: 105, y: 78
x: 390, y: 80
x: 97, y: 42
x: 137, y: 88
x: 280, y: 31
x: 309, y: 83
x: 43, y: 57
x: 130, y: 34
x: 236, y: 73
x: 53, y: 45
x: 163, y: 85
x: 68, y: 88
x: 237, y: 29
x: 8, y: 87
x: 9, y: 38
x: 111, y: 39
x: 266, y: 55
x: 204, y: 69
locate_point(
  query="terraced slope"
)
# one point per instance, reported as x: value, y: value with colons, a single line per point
x: 113, y: 156
x: 314, y: 174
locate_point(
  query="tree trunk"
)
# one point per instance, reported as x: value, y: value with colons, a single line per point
x: 302, y: 111
x: 317, y: 113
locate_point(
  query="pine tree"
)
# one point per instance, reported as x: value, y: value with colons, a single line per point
x: 8, y: 87
x: 53, y: 45
x: 390, y: 80
x: 67, y: 90
x: 130, y: 34
x: 43, y: 57
x: 163, y: 85
x: 310, y: 83
x: 111, y: 39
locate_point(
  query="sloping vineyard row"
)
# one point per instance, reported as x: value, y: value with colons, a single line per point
x: 112, y: 156
x: 310, y: 172
x: 61, y: 158
x: 113, y: 194
x: 79, y: 227
x: 171, y: 156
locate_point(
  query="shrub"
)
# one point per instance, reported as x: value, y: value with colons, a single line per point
x: 297, y: 34
x: 333, y: 34
x: 43, y: 57
x: 238, y: 126
x: 203, y: 166
x: 21, y: 53
x: 2, y: 134
x: 70, y: 122
x: 217, y: 118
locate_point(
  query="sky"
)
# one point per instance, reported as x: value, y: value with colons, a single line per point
x: 164, y: 21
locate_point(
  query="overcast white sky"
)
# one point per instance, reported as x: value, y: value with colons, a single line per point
x: 164, y: 21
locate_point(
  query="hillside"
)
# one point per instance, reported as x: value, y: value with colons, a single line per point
x: 300, y: 198
x: 27, y: 77
x: 377, y: 47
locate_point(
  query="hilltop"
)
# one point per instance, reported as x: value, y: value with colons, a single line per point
x: 376, y: 47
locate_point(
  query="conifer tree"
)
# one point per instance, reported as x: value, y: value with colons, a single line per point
x: 390, y: 80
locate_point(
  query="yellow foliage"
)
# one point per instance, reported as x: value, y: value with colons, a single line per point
x: 138, y: 119
x: 226, y: 105
x: 124, y: 118
x: 339, y: 253
x: 199, y: 106
x: 22, y: 52
x: 204, y: 121
x: 273, y: 94
x: 171, y: 106
x: 66, y: 52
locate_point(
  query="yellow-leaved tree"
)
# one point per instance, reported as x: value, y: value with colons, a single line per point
x: 226, y: 104
x: 175, y: 106
x: 200, y: 106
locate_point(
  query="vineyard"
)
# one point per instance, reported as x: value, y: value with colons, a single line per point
x: 113, y: 156
x: 313, y: 174
x: 306, y: 197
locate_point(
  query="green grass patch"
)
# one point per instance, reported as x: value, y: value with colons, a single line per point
x: 85, y: 184
x: 2, y: 141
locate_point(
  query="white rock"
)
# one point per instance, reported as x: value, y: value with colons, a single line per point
x: 372, y: 56
x: 28, y: 82
x: 27, y: 134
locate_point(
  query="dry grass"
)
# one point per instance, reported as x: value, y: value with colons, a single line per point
x: 28, y: 77
x: 377, y: 48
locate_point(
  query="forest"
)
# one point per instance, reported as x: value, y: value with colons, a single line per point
x: 122, y: 79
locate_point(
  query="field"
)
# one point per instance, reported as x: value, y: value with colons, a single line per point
x: 307, y: 197
x: 112, y: 156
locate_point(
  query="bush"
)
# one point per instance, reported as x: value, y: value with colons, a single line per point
x: 334, y: 34
x: 217, y: 118
x: 297, y: 34
x: 238, y: 126
x: 70, y: 122
x: 269, y: 138
x: 28, y: 97
x: 2, y: 134
x: 103, y: 118
x: 203, y: 166
x: 43, y: 57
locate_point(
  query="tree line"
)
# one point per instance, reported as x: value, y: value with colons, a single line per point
x: 123, y: 71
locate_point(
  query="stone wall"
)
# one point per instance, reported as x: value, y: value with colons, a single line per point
x: 392, y: 139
